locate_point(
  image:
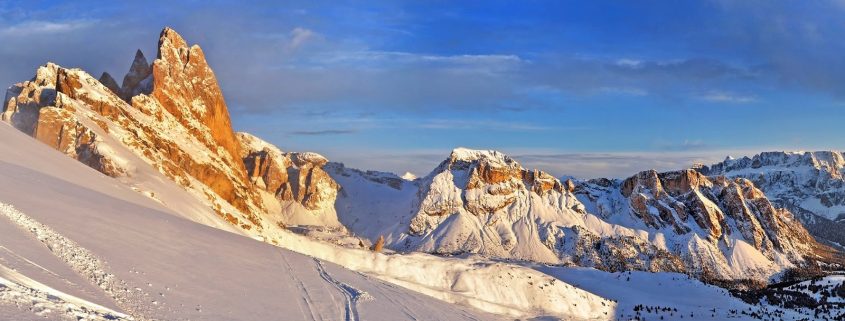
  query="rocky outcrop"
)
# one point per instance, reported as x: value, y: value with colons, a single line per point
x: 808, y: 184
x: 295, y: 177
x: 137, y: 80
x: 714, y: 216
x: 107, y: 80
x: 686, y: 200
x: 24, y: 100
x: 60, y: 129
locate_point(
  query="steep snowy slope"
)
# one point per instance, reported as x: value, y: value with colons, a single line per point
x: 810, y: 184
x: 304, y: 192
x: 66, y: 227
x: 484, y: 202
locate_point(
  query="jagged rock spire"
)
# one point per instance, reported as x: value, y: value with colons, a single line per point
x: 107, y: 80
x: 186, y: 87
x: 134, y: 82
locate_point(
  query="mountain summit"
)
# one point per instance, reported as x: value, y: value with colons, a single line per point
x: 167, y: 124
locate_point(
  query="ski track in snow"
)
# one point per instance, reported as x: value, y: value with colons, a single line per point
x: 309, y: 309
x: 311, y: 306
x: 29, y: 261
x: 80, y: 260
x: 352, y: 295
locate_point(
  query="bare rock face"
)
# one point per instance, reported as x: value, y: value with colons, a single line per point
x: 808, y: 184
x: 719, y: 206
x: 295, y: 177
x: 313, y: 187
x: 42, y: 108
x: 59, y: 128
x: 712, y: 215
x: 137, y: 80
x: 107, y: 80
x: 24, y: 100
x: 185, y: 86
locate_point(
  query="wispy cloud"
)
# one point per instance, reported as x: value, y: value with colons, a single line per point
x: 460, y: 124
x: 618, y: 164
x: 631, y: 91
x: 490, y: 64
x: 36, y: 27
x: 322, y: 132
x: 299, y: 36
x: 725, y: 97
x: 583, y: 165
x: 685, y: 145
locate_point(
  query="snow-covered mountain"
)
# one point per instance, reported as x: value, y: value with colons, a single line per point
x: 99, y: 250
x: 809, y: 184
x: 165, y: 143
x: 296, y: 180
x: 78, y: 245
x: 168, y: 125
x: 484, y: 202
x: 719, y: 226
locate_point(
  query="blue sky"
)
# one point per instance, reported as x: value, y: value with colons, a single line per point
x: 588, y: 88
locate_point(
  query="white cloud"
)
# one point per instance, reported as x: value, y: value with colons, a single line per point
x: 631, y: 63
x: 725, y: 97
x: 299, y: 36
x: 35, y: 27
x: 618, y: 164
x: 630, y: 91
x: 478, y: 125
x: 398, y: 57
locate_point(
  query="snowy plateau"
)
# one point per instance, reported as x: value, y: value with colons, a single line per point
x: 138, y: 201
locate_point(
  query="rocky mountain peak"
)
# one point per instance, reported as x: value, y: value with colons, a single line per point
x: 170, y: 41
x: 184, y: 84
x: 107, y: 80
x: 490, y: 157
x: 137, y: 80
x: 489, y: 167
x: 171, y: 119
x: 298, y: 177
x: 647, y: 179
x: 306, y: 159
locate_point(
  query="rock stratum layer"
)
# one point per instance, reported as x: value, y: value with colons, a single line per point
x: 170, y: 118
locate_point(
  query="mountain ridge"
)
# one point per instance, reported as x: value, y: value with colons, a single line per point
x: 810, y: 184
x: 169, y: 118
